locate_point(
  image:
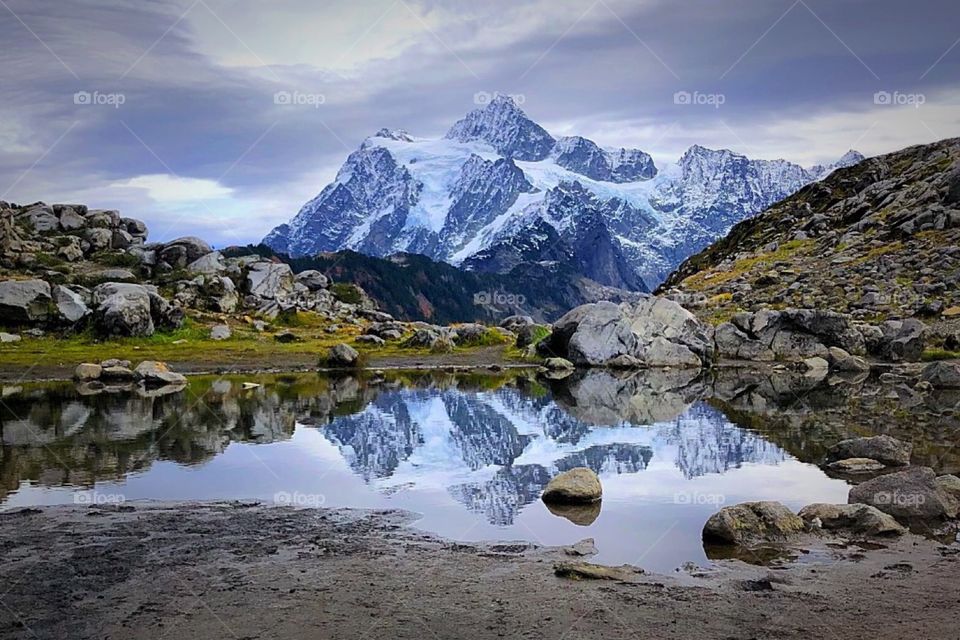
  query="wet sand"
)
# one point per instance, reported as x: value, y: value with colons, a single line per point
x: 192, y: 570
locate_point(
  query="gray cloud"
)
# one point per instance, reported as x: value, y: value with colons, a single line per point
x: 198, y: 88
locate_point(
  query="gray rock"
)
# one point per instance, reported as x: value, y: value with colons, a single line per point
x: 752, y: 523
x: 123, y: 310
x: 660, y: 318
x: 816, y: 367
x: 469, y: 334
x: 376, y: 341
x: 71, y: 306
x: 903, y: 340
x: 220, y: 332
x: 515, y: 323
x: 912, y: 494
x: 98, y: 238
x: 577, y: 485
x: 660, y: 352
x: 286, y: 337
x: 312, y: 279
x: 859, y: 519
x: 24, y: 301
x: 8, y: 338
x: 343, y: 355
x: 158, y: 374
x: 269, y: 280
x: 70, y: 220
x: 884, y: 449
x: 116, y: 275
x: 183, y: 251
x: 558, y: 364
x: 592, y: 334
x: 210, y: 264
x: 942, y: 375
x: 855, y: 466
x: 840, y: 360
x: 87, y: 371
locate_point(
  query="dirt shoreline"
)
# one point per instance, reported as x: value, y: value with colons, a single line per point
x: 206, y: 570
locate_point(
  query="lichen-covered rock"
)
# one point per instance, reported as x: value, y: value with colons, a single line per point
x: 883, y: 448
x: 752, y: 523
x: 859, y: 519
x: 220, y: 332
x: 270, y: 280
x: 123, y: 310
x: 574, y: 486
x: 312, y: 279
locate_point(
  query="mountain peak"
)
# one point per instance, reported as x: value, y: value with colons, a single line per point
x: 504, y: 126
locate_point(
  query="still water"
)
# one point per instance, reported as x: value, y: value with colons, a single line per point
x: 470, y: 454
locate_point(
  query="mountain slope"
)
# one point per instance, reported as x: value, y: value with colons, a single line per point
x: 881, y: 239
x: 484, y: 195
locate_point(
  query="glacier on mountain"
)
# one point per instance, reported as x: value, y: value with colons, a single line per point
x: 499, y: 191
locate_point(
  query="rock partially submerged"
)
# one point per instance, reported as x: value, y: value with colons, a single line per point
x: 855, y: 466
x: 158, y: 374
x: 942, y: 375
x: 859, y: 519
x: 884, y: 449
x: 589, y: 571
x: 579, y: 485
x: 752, y: 523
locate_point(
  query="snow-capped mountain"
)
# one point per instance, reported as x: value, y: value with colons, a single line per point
x: 499, y: 191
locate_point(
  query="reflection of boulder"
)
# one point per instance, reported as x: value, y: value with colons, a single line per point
x: 579, y: 514
x: 501, y: 498
x: 598, y: 396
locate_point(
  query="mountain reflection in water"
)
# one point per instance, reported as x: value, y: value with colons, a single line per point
x: 472, y: 453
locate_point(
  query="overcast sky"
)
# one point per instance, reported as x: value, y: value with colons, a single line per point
x: 168, y: 109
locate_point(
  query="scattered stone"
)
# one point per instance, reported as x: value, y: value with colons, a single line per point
x: 752, y: 523
x: 588, y: 571
x: 859, y: 519
x: 117, y: 373
x: 840, y: 360
x: 371, y: 340
x: 286, y: 336
x: 71, y: 306
x: 884, y: 449
x: 816, y: 367
x: 7, y: 338
x: 558, y: 364
x: 158, y: 373
x: 220, y: 332
x: 312, y: 279
x: 577, y: 485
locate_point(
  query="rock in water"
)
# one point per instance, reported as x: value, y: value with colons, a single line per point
x: 343, y: 355
x: 909, y: 495
x: 752, y: 523
x: 856, y: 465
x: 87, y: 371
x: 884, y: 449
x: 24, y: 301
x: 860, y: 519
x: 577, y: 485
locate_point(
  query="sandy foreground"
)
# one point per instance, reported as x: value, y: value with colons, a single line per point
x: 221, y: 570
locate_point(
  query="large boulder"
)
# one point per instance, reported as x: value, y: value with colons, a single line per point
x: 210, y: 264
x: 734, y: 344
x: 885, y: 449
x: 312, y: 279
x: 182, y: 251
x: 123, y: 310
x: 902, y: 340
x: 270, y: 280
x: 656, y: 320
x: 24, y: 301
x: 591, y: 334
x: 752, y: 523
x: 909, y: 495
x: 859, y: 519
x: 942, y: 375
x: 577, y: 485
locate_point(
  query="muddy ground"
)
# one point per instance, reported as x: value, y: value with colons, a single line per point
x: 248, y: 571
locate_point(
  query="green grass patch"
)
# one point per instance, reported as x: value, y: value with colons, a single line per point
x: 933, y: 355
